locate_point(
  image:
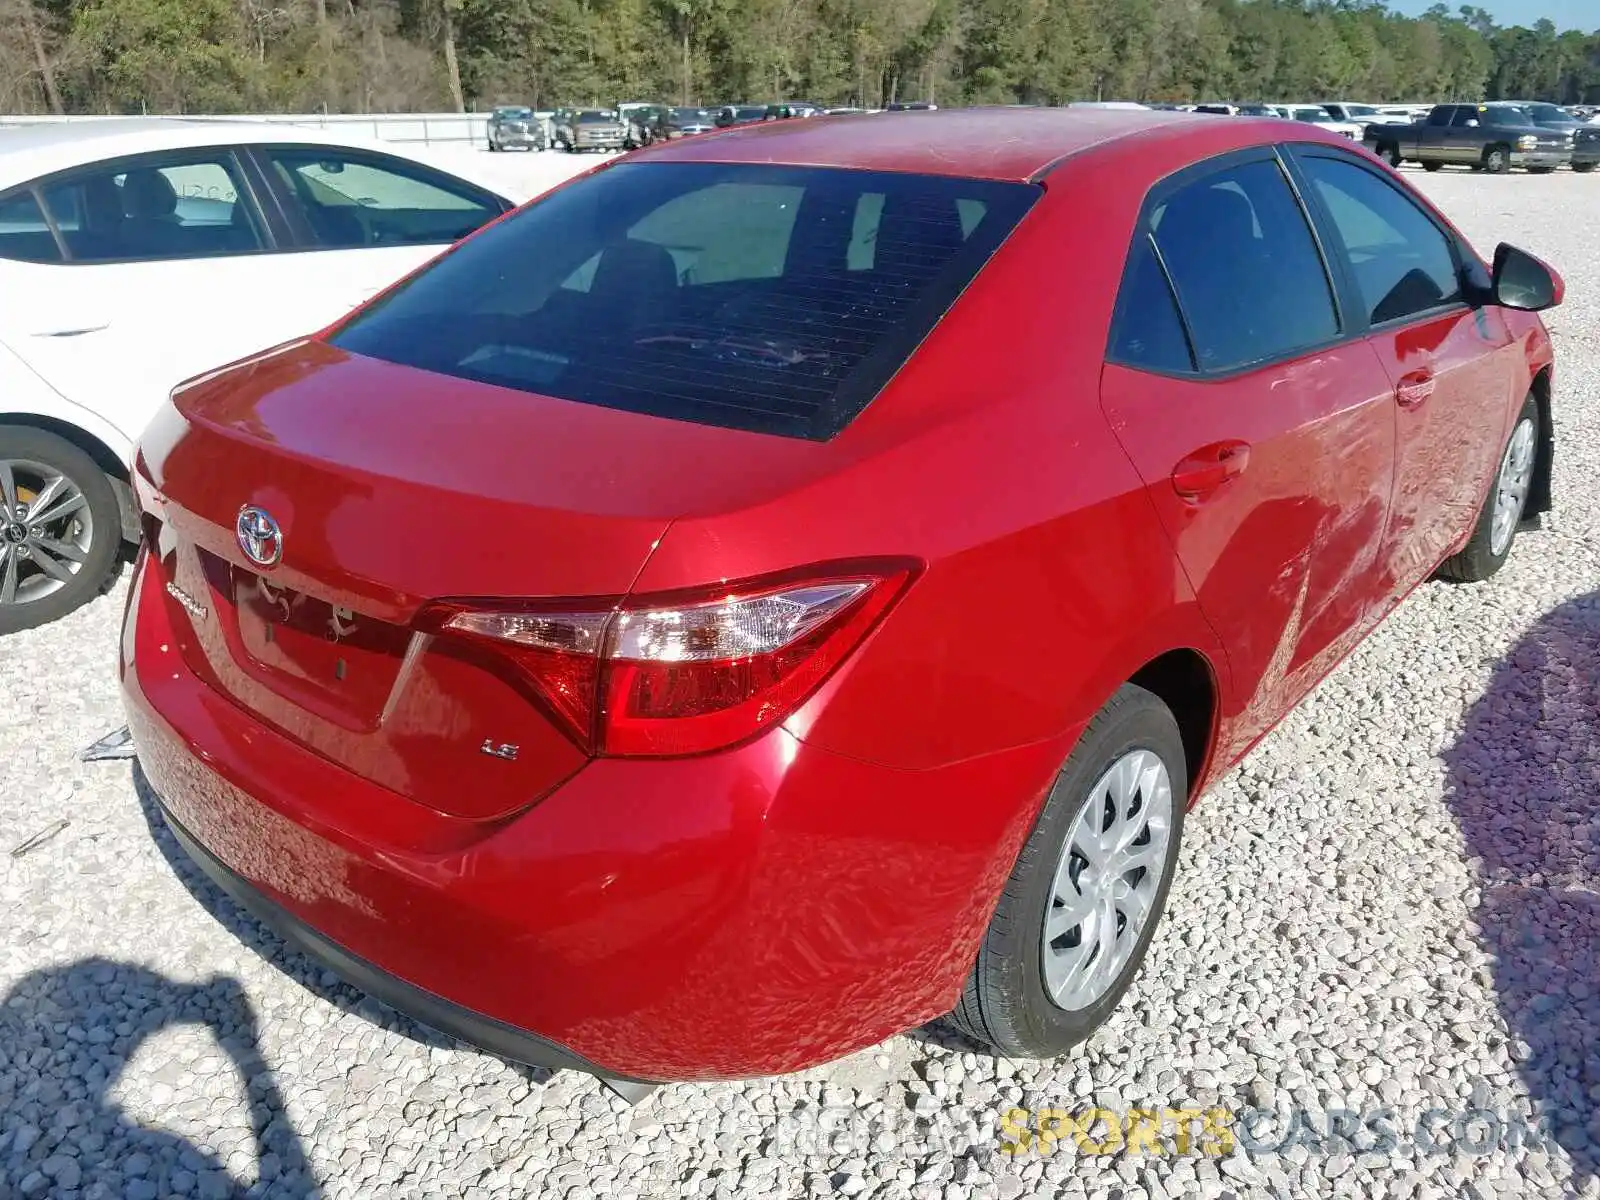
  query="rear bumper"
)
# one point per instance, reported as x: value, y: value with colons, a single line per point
x: 748, y: 913
x: 505, y: 1040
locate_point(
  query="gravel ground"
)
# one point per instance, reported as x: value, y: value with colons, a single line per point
x: 1392, y: 910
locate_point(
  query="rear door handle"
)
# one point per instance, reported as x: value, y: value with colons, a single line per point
x: 1199, y: 474
x: 1414, y: 388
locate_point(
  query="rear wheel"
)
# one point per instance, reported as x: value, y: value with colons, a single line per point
x: 1497, y: 160
x: 1088, y: 888
x: 1540, y: 170
x: 60, y: 528
x: 1431, y: 166
x: 1583, y: 168
x: 1391, y: 155
x: 1490, y: 545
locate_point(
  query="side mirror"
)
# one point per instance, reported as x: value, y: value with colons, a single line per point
x: 1522, y: 281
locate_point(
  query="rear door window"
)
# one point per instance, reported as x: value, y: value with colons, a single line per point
x: 772, y: 299
x: 1249, y: 277
x: 187, y: 205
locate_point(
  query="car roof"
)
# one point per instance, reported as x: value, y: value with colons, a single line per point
x: 1006, y: 144
x: 34, y: 149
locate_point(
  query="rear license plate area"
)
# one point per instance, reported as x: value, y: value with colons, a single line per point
x: 329, y: 647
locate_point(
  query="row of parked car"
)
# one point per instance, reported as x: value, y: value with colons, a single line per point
x: 1494, y: 136
x: 1343, y: 111
x: 629, y: 126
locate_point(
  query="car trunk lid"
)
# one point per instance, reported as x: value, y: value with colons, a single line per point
x: 391, y: 489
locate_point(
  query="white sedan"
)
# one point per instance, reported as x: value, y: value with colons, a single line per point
x: 1316, y: 114
x: 135, y: 253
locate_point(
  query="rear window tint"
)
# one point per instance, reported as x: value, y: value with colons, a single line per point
x: 772, y: 299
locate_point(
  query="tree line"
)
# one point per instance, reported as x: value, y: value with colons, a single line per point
x: 219, y: 56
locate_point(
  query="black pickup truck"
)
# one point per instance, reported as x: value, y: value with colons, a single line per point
x: 1490, y: 137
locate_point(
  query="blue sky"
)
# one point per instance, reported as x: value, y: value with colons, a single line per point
x: 1567, y: 14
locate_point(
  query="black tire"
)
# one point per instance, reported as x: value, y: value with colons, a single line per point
x: 1004, y: 1003
x: 1477, y: 560
x: 102, y: 560
x: 1541, y: 170
x: 1391, y: 155
x: 1431, y: 166
x: 493, y: 146
x: 1583, y: 168
x: 1496, y: 159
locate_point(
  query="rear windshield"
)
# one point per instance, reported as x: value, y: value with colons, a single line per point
x: 772, y: 299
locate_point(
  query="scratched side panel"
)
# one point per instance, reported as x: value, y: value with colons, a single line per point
x: 1282, y: 557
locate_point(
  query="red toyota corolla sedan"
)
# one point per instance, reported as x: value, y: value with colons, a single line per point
x: 788, y: 585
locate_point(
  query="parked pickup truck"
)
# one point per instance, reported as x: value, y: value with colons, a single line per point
x: 1487, y: 137
x: 588, y: 129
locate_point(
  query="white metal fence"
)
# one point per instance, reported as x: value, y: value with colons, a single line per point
x: 432, y: 129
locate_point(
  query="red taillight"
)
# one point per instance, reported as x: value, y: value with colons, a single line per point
x: 686, y: 673
x: 556, y: 652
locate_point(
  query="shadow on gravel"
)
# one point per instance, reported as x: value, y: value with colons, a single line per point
x: 321, y: 983
x: 1525, y: 786
x: 65, y: 1036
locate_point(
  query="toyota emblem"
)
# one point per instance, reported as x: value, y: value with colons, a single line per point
x: 259, y: 536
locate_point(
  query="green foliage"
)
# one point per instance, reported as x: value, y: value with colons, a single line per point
x: 167, y: 55
x: 375, y: 55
